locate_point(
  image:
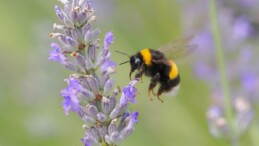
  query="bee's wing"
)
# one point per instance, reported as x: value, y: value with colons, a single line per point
x: 178, y: 48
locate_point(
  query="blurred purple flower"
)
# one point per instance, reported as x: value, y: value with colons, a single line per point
x: 242, y: 29
x: 238, y: 32
x: 249, y: 81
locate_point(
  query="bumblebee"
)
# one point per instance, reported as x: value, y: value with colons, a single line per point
x: 159, y: 65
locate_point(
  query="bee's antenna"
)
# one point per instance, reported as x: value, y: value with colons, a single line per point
x: 123, y: 54
x: 124, y: 62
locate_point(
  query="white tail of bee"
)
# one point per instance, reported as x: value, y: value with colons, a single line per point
x: 173, y: 91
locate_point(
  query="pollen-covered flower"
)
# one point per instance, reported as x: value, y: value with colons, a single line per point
x: 90, y: 91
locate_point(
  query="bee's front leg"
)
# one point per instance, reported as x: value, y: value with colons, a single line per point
x: 139, y: 74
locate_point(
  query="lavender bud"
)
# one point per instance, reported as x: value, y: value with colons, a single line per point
x: 101, y: 117
x: 92, y: 110
x: 80, y: 60
x: 112, y: 102
x: 125, y: 133
x: 60, y: 13
x: 118, y: 110
x: 76, y: 34
x: 86, y: 28
x: 94, y: 133
x: 123, y: 121
x: 89, y: 63
x: 105, y: 104
x: 90, y: 140
x: 74, y: 15
x: 102, y: 130
x: 92, y: 81
x: 82, y: 17
x: 91, y: 52
x: 89, y: 119
x: 85, y: 83
x: 70, y: 41
x: 114, y: 137
x: 88, y: 94
x: 91, y: 36
x: 112, y: 127
x: 69, y: 65
x: 107, y: 139
x: 108, y: 85
x: 99, y: 61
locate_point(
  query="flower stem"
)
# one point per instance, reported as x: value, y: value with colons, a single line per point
x: 222, y: 71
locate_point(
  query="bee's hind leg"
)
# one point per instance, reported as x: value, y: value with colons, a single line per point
x: 153, y: 82
x: 159, y: 92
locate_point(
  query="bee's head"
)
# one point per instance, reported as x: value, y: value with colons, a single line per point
x: 135, y: 63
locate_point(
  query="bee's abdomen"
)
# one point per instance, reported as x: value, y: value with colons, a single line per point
x: 173, y: 73
x: 169, y: 84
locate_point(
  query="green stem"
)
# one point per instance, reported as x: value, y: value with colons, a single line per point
x: 223, y: 77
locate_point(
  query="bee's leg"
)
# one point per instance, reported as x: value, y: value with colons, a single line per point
x: 139, y: 74
x: 153, y: 84
x: 159, y: 92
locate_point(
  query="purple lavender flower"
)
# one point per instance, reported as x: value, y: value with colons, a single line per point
x: 108, y: 40
x: 71, y: 102
x: 57, y: 54
x: 129, y: 93
x: 107, y: 64
x: 237, y: 24
x: 89, y: 93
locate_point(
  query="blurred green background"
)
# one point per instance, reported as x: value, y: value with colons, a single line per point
x: 30, y: 106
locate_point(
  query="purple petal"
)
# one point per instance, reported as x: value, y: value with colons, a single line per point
x: 205, y: 41
x: 242, y: 28
x: 70, y: 104
x: 56, y: 54
x: 134, y: 117
x: 249, y: 81
x: 108, y: 63
x: 108, y: 40
x: 129, y: 93
x: 86, y: 142
x: 72, y: 89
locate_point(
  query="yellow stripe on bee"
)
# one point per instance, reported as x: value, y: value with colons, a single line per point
x: 146, y: 54
x: 173, y: 71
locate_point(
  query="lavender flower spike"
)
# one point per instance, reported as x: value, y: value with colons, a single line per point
x: 91, y: 94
